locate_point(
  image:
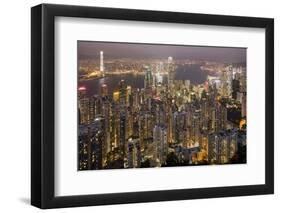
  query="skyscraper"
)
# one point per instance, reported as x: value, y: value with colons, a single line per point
x: 222, y: 146
x: 101, y: 63
x: 122, y: 140
x: 134, y: 153
x: 147, y: 77
x: 170, y: 59
x: 235, y: 88
x: 244, y: 106
x: 83, y: 106
x: 169, y: 69
x: 106, y: 113
x: 122, y: 93
x: 104, y: 90
x: 160, y: 140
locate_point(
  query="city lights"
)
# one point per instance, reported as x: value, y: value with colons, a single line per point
x: 151, y: 112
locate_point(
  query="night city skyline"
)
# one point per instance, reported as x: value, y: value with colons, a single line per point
x: 147, y: 105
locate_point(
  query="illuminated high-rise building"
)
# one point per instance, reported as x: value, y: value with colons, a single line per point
x: 160, y: 140
x: 104, y: 90
x: 134, y: 153
x: 195, y: 126
x: 232, y: 143
x: 243, y: 80
x: 136, y: 99
x: 244, y: 106
x: 129, y: 123
x: 170, y: 73
x: 223, y: 145
x: 147, y: 78
x: 230, y: 73
x: 92, y: 109
x: 97, y: 154
x: 224, y: 89
x: 116, y: 96
x: 115, y: 125
x: 83, y: 106
x: 145, y: 124
x: 95, y: 107
x: 101, y: 63
x: 229, y: 80
x: 84, y: 149
x: 106, y: 113
x: 235, y: 88
x: 122, y: 140
x: 131, y: 154
x: 91, y: 144
x: 213, y: 148
x: 82, y: 92
x: 170, y: 59
x: 122, y: 92
x: 187, y: 84
x: 158, y: 76
x: 128, y: 94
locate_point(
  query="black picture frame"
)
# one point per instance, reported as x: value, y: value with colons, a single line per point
x: 43, y: 102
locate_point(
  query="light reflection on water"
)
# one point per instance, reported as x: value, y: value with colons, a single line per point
x: 186, y: 72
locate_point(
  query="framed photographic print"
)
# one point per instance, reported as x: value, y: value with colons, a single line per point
x: 139, y: 106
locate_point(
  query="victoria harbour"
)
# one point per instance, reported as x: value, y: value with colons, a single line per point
x: 187, y: 72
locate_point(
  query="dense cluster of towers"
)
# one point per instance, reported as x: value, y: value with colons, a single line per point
x: 166, y: 123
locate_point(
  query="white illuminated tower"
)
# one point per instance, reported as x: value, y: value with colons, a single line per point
x: 170, y: 75
x: 101, y: 62
x: 170, y: 59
